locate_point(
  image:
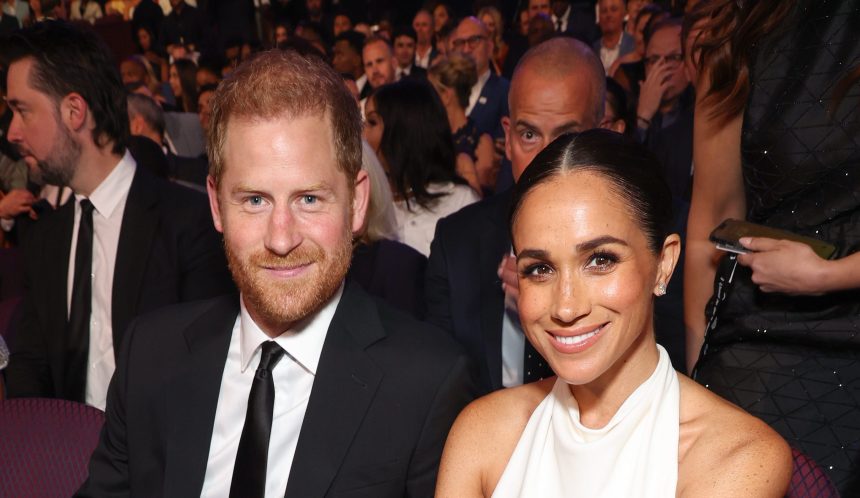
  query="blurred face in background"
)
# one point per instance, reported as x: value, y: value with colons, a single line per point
x: 345, y: 59
x: 471, y: 39
x: 440, y: 17
x: 611, y: 16
x: 423, y: 26
x: 204, y: 109
x: 281, y: 34
x: 373, y: 127
x: 378, y: 64
x: 341, y: 23
x: 538, y: 7
x: 175, y: 82
x: 404, y: 51
x: 664, y: 54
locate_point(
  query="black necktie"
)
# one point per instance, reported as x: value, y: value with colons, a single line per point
x: 249, y: 473
x: 79, y: 314
x: 535, y: 367
x: 558, y: 25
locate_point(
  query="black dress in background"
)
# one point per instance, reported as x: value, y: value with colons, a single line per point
x: 795, y: 361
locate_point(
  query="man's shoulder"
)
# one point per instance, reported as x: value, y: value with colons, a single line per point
x: 497, y: 84
x: 170, y: 318
x: 404, y: 336
x: 172, y: 197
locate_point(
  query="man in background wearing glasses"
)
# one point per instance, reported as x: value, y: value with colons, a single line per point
x: 488, y: 102
x: 664, y: 113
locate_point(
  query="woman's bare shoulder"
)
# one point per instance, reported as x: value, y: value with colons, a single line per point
x: 484, y: 437
x: 503, y: 412
x: 724, y: 451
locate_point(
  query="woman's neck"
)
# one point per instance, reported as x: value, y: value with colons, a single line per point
x: 456, y: 118
x: 600, y: 399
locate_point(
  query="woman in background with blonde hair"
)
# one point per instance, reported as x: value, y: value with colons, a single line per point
x: 453, y: 78
x: 492, y: 19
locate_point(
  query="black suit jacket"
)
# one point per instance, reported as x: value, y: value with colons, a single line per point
x: 386, y: 392
x: 464, y: 293
x: 168, y: 252
x: 491, y: 106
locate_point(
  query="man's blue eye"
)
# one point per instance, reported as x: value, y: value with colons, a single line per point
x: 255, y: 200
x: 309, y: 199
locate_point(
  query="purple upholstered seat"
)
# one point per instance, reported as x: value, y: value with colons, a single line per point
x: 45, y: 445
x: 808, y: 480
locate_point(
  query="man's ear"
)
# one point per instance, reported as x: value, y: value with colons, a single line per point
x: 214, y: 205
x: 74, y: 112
x: 360, y: 201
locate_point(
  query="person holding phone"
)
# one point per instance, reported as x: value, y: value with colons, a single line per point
x: 776, y: 330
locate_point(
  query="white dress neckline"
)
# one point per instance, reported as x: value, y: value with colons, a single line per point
x: 634, y: 455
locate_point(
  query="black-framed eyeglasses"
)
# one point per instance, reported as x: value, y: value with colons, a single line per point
x: 472, y: 41
x: 669, y: 58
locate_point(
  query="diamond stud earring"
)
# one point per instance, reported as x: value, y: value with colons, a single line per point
x: 661, y: 289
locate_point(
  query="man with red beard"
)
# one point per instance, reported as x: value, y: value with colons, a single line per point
x: 304, y: 385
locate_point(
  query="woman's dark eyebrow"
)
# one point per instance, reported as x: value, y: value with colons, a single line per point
x: 592, y: 244
x: 532, y: 253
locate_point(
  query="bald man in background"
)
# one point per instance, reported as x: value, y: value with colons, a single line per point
x: 557, y: 87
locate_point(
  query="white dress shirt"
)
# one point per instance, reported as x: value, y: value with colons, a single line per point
x: 423, y: 60
x: 293, y: 377
x: 608, y: 55
x: 564, y: 18
x: 513, y: 346
x: 477, y: 88
x: 108, y: 199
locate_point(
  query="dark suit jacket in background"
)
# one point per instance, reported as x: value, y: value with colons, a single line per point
x: 168, y: 252
x: 8, y: 25
x: 386, y: 392
x: 491, y: 106
x: 464, y: 293
x: 393, y: 271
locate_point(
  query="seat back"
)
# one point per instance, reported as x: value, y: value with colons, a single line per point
x: 808, y: 480
x: 45, y: 445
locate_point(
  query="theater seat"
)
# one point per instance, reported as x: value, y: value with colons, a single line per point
x: 45, y: 445
x: 808, y: 480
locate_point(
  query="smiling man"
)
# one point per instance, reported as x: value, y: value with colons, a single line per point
x: 304, y: 385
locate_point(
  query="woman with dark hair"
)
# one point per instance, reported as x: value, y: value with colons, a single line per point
x: 183, y: 82
x: 777, y: 330
x: 453, y: 78
x: 441, y: 15
x: 407, y: 127
x: 589, y: 224
x: 147, y: 45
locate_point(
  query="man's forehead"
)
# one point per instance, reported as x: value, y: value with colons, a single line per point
x: 468, y: 28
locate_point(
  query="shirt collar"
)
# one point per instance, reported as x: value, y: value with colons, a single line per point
x: 563, y: 17
x: 107, y: 196
x: 482, y: 79
x: 303, y: 342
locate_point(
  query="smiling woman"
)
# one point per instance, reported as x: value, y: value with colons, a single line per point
x: 589, y: 226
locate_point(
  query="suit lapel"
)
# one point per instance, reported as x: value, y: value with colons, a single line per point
x: 494, y: 244
x: 54, y: 260
x: 193, y: 398
x: 346, y: 381
x: 139, y: 225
